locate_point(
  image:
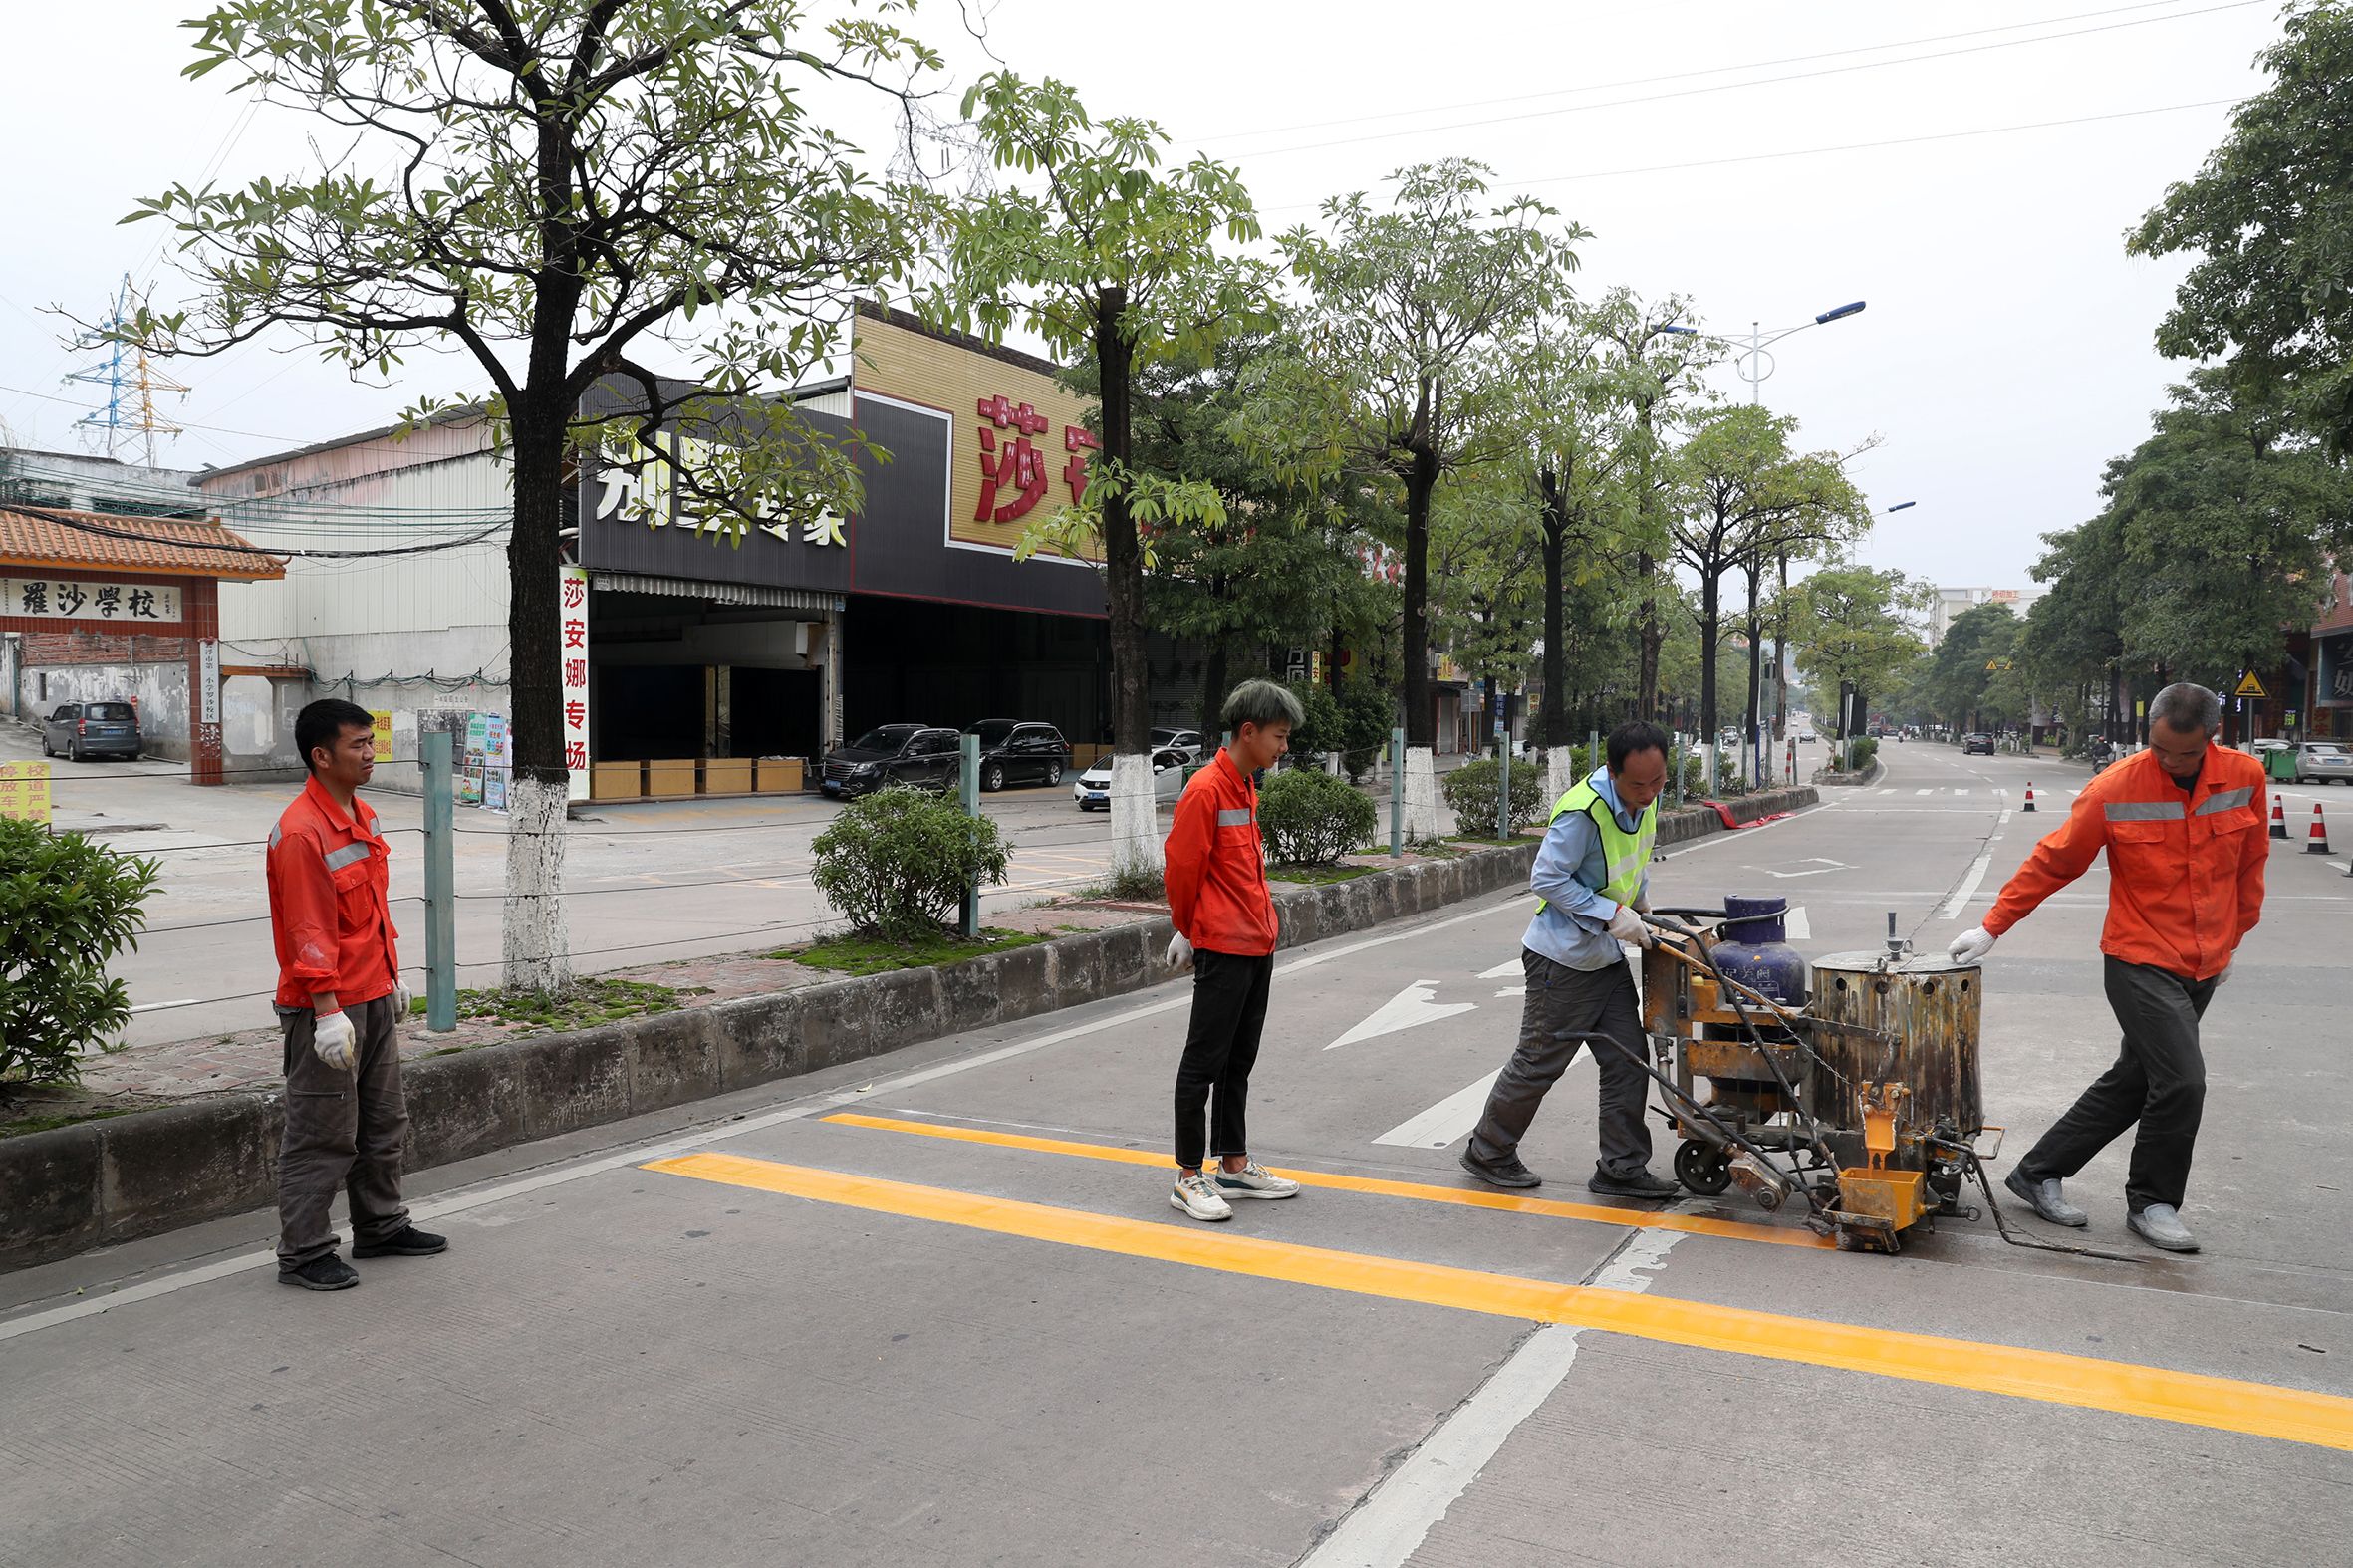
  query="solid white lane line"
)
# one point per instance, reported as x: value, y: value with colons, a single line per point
x: 1388, y: 1526
x: 1956, y: 792
x: 1450, y: 1118
x: 1967, y: 888
x: 696, y: 1139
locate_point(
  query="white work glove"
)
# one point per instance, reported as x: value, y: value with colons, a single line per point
x: 332, y: 1038
x: 1972, y: 945
x: 1626, y: 925
x: 1179, y: 956
x: 402, y: 999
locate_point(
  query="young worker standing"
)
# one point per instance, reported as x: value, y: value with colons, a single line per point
x: 339, y: 998
x: 1225, y: 932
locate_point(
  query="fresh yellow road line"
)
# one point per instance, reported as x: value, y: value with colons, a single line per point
x: 2262, y: 1409
x: 1462, y: 1198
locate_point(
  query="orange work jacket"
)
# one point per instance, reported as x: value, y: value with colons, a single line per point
x: 2185, y: 867
x: 330, y: 876
x: 1216, y: 865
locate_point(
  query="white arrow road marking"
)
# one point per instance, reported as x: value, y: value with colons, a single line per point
x: 1509, y: 966
x: 1405, y: 1010
x: 1820, y: 867
x: 1450, y: 1118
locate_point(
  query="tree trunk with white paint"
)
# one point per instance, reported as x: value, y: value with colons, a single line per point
x: 537, y: 954
x: 1421, y: 784
x: 1560, y: 774
x: 1134, y: 818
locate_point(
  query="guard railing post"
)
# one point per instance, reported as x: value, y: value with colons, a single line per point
x: 440, y: 885
x: 1396, y: 791
x: 971, y: 798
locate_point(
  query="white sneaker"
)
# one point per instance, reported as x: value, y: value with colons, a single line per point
x: 1254, y: 1181
x: 1196, y: 1198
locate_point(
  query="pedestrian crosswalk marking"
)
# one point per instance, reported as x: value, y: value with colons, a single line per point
x: 2047, y: 1377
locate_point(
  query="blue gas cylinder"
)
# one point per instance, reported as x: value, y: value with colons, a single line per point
x: 1758, y: 955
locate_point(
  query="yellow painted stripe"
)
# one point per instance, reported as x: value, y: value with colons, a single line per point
x: 1461, y: 1197
x: 2262, y: 1409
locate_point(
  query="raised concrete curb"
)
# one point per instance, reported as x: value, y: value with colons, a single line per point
x: 99, y: 1183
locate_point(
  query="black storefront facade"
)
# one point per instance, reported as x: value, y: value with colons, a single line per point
x: 783, y: 640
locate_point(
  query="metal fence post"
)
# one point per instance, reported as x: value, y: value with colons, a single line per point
x: 440, y: 885
x: 1503, y: 788
x: 1396, y: 791
x: 1592, y: 756
x: 971, y: 798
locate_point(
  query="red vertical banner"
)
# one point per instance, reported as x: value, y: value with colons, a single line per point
x: 572, y: 652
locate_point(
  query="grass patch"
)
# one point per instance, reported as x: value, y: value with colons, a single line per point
x: 43, y: 1124
x: 878, y: 955
x: 1317, y: 875
x: 582, y: 1005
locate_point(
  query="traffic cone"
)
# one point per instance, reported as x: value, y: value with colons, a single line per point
x: 2318, y: 842
x: 2029, y: 806
x: 2278, y: 819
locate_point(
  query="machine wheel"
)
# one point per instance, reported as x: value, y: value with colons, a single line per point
x: 1702, y: 1167
x: 992, y: 777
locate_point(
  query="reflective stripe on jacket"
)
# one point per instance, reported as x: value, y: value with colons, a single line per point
x: 1216, y: 865
x: 330, y: 878
x: 2185, y: 867
x: 1625, y: 857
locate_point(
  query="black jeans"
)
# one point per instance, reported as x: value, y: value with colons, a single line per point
x: 1559, y: 1000
x: 1220, y: 1048
x: 2158, y: 1080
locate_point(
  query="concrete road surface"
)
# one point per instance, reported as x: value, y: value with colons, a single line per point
x: 935, y: 1310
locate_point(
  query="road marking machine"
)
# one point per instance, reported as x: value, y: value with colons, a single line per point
x: 1847, y: 1087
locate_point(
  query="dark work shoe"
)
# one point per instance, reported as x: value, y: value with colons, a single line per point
x: 406, y: 1242
x: 2045, y: 1200
x: 1637, y: 1184
x: 324, y: 1272
x: 1506, y: 1171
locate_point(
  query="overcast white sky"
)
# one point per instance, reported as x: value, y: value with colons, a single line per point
x: 2005, y: 355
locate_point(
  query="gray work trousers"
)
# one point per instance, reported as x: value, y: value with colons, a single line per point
x: 2158, y: 1080
x: 1558, y: 1000
x: 344, y: 1131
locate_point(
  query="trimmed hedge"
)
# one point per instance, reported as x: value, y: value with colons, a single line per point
x: 1309, y: 818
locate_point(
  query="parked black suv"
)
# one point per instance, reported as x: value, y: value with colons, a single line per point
x: 914, y: 754
x: 1014, y: 751
x: 90, y: 729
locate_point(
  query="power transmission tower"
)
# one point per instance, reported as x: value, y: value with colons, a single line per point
x: 130, y: 380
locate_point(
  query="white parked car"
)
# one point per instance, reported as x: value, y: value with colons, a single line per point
x: 1188, y: 741
x: 2323, y: 762
x: 1091, y: 789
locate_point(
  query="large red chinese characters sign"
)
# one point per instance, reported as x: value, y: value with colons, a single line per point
x: 1013, y: 477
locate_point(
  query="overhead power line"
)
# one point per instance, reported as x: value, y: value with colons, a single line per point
x: 1685, y: 76
x: 1727, y: 87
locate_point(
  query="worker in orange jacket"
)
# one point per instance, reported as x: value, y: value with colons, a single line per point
x: 1216, y: 875
x: 2183, y: 825
x: 339, y: 999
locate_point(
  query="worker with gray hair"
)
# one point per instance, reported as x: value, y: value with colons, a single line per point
x: 2183, y: 825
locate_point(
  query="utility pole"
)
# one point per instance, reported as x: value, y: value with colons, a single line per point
x: 130, y: 380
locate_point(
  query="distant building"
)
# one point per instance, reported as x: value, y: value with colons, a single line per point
x: 1952, y: 602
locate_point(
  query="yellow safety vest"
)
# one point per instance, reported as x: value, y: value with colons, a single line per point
x: 1624, y: 855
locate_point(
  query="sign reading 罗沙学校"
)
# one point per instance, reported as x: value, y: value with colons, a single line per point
x: 81, y: 599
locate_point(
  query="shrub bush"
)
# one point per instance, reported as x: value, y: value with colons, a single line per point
x: 1324, y: 729
x: 1866, y: 747
x: 1312, y: 819
x: 1471, y: 790
x: 1365, y: 723
x: 67, y: 907
x: 894, y: 862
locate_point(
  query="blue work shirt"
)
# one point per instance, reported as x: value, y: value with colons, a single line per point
x: 1573, y: 928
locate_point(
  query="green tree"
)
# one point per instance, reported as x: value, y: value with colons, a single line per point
x: 1976, y: 644
x: 1396, y: 376
x: 1487, y: 554
x: 2270, y: 220
x: 1111, y: 259
x: 569, y: 178
x: 1854, y: 626
x: 1744, y: 495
